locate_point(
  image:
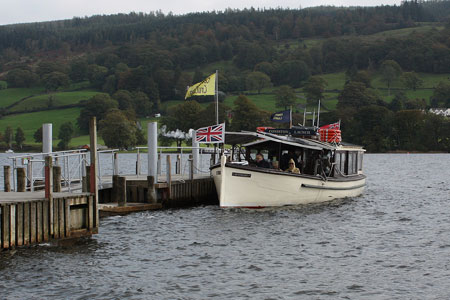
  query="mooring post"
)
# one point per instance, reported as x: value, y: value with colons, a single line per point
x: 178, y: 164
x: 56, y: 179
x: 116, y: 163
x: 191, y: 167
x: 30, y: 175
x: 7, y: 178
x: 87, y: 179
x: 168, y: 176
x: 152, y: 143
x: 138, y: 162
x: 93, y: 188
x: 151, y: 192
x: 115, y: 189
x: 195, y: 151
x: 48, y: 181
x: 122, y: 190
x: 21, y: 180
x: 158, y: 167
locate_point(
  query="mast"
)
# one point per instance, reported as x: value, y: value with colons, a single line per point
x: 216, y: 94
x: 304, y: 117
x: 314, y: 117
x: 318, y: 114
x: 290, y: 117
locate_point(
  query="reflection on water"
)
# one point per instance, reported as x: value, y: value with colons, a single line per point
x: 390, y: 243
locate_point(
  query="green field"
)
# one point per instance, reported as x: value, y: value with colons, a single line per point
x: 30, y: 122
x: 58, y: 99
x: 11, y: 96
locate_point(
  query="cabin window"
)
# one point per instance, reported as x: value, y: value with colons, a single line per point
x: 337, y: 163
x: 350, y: 163
x: 343, y: 161
x: 360, y: 160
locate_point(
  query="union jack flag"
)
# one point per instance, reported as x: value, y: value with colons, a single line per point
x: 212, y: 134
x: 336, y: 125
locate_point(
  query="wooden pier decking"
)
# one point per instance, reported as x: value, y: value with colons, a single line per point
x: 30, y: 218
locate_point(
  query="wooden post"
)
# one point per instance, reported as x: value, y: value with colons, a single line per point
x: 178, y: 165
x: 151, y: 193
x: 115, y: 189
x: 191, y: 174
x: 30, y: 175
x: 87, y: 179
x: 48, y: 170
x: 191, y: 167
x: 158, y: 166
x: 122, y: 190
x: 168, y: 176
x: 21, y: 180
x: 116, y: 164
x: 56, y: 179
x: 93, y: 171
x: 7, y: 178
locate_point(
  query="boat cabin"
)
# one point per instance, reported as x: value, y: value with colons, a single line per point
x: 312, y: 157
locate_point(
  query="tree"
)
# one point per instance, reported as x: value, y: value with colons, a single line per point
x: 97, y: 106
x: 355, y: 95
x: 390, y: 71
x: 291, y: 72
x: 65, y: 135
x: 19, y: 137
x: 363, y: 77
x: 8, y: 136
x: 411, y: 80
x: 285, y: 96
x: 314, y: 88
x: 183, y: 116
x: 117, y: 131
x: 246, y: 115
x: 257, y: 81
x: 21, y: 78
x: 38, y: 135
x: 441, y: 95
x: 55, y: 80
x: 398, y: 103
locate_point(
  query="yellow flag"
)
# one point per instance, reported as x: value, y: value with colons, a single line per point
x: 204, y: 88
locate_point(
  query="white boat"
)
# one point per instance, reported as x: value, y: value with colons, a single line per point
x: 329, y: 171
x: 9, y: 151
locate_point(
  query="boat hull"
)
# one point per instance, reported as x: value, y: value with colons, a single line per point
x: 243, y: 187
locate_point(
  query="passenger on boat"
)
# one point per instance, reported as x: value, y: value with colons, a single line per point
x: 292, y: 168
x: 284, y: 160
x: 276, y: 165
x: 261, y: 162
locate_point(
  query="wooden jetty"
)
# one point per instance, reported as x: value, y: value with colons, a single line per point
x: 57, y: 212
x: 30, y: 218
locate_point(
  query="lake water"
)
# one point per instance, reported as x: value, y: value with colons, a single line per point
x: 391, y: 243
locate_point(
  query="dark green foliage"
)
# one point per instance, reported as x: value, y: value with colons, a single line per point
x: 54, y: 80
x: 8, y: 136
x: 97, y: 106
x: 66, y: 131
x: 37, y: 136
x: 285, y: 96
x: 21, y: 78
x: 441, y: 95
x: 19, y: 138
x: 247, y: 116
x: 314, y: 88
x: 117, y: 131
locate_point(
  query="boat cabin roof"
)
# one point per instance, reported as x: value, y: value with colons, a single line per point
x: 254, y: 138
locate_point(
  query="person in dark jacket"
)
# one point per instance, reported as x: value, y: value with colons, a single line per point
x: 261, y: 162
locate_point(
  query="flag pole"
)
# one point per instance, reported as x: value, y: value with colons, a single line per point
x: 216, y: 94
x: 314, y: 117
x: 290, y: 117
x: 304, y: 117
x: 318, y: 114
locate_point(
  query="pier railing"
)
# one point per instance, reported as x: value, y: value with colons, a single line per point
x: 72, y: 165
